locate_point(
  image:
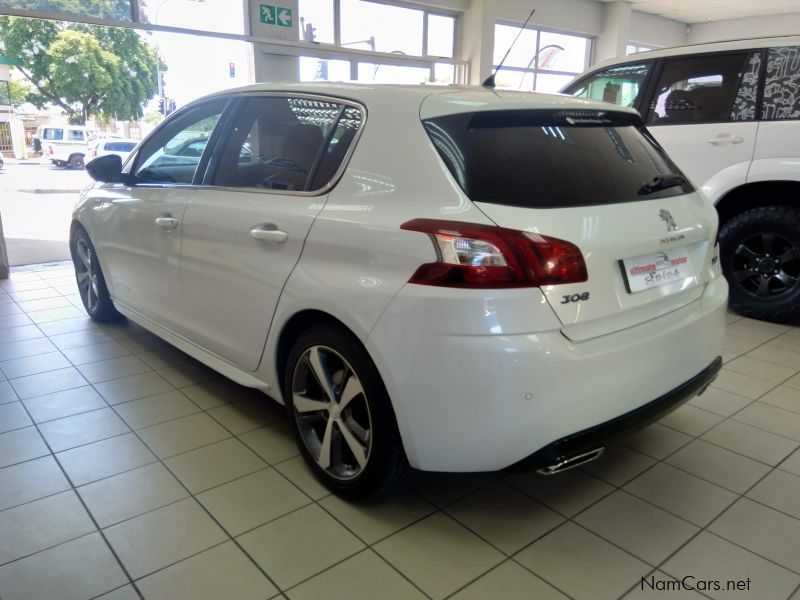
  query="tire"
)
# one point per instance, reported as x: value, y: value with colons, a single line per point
x: 760, y: 253
x: 329, y: 352
x: 91, y: 283
x: 76, y: 161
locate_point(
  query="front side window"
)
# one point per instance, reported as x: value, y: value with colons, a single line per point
x: 782, y: 84
x: 290, y: 144
x: 618, y: 85
x: 75, y: 135
x: 172, y: 154
x: 697, y: 89
x: 550, y: 159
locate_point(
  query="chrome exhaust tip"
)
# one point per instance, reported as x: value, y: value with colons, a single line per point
x: 572, y: 462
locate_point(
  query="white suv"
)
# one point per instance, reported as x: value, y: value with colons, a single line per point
x: 455, y: 279
x: 65, y: 145
x: 728, y: 113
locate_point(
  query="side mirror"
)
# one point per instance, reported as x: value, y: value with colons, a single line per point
x: 105, y: 169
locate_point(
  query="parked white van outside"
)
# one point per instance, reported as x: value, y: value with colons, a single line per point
x: 65, y: 145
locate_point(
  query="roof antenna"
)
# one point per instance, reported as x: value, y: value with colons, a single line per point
x: 489, y: 83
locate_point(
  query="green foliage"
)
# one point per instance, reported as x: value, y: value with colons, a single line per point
x: 88, y: 71
x: 18, y: 91
x: 105, y: 9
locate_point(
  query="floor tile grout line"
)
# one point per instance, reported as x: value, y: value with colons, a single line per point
x: 83, y: 504
x: 208, y: 513
x: 369, y: 546
x: 618, y: 487
x: 705, y: 529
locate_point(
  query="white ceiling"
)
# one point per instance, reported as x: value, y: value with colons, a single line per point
x: 699, y: 11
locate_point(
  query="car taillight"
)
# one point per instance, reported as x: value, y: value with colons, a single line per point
x: 484, y: 256
x: 94, y: 152
x: 50, y: 150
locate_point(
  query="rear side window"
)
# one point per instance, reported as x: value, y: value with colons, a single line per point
x: 620, y: 85
x: 697, y: 89
x: 53, y: 134
x: 291, y: 144
x: 75, y: 135
x: 782, y: 84
x: 547, y: 159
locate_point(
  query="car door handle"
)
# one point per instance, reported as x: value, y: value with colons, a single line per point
x: 725, y: 139
x: 167, y: 221
x: 269, y: 232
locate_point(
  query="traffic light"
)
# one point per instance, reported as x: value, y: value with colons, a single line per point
x: 171, y: 107
x: 161, y: 106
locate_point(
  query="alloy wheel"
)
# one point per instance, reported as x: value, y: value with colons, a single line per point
x: 766, y: 265
x: 86, y: 273
x: 332, y: 412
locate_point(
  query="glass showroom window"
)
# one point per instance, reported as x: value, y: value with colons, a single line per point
x: 635, y: 48
x: 416, y: 36
x: 378, y: 27
x: 543, y: 61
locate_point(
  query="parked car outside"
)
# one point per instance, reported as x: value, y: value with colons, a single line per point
x: 65, y: 145
x: 103, y: 146
x: 2, y: 162
x: 454, y: 279
x: 728, y: 113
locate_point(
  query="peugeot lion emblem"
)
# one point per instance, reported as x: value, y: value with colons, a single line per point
x: 666, y: 216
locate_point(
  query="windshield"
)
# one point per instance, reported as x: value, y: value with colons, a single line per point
x: 552, y: 159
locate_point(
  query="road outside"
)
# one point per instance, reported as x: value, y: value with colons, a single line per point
x: 36, y: 201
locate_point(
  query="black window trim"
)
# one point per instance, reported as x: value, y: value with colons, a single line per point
x: 748, y: 52
x: 211, y: 166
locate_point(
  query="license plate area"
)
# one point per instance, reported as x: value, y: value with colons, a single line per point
x: 647, y: 271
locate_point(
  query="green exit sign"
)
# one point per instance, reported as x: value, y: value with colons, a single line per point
x: 275, y: 15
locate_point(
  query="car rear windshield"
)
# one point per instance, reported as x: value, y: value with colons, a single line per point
x: 552, y: 159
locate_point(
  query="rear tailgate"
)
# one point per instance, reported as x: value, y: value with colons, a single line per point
x: 609, y: 236
x: 598, y: 180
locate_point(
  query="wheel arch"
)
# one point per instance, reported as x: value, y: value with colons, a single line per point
x: 757, y: 195
x: 293, y: 327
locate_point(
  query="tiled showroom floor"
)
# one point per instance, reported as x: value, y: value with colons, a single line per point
x: 128, y: 469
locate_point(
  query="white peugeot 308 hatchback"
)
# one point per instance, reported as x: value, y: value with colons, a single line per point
x: 455, y: 279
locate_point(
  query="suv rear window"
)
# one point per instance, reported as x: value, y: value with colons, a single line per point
x: 551, y: 159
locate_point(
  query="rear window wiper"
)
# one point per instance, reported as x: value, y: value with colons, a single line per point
x: 661, y: 182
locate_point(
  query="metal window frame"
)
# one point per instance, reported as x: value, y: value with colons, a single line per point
x: 535, y: 71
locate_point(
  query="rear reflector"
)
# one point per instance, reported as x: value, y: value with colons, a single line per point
x: 484, y: 256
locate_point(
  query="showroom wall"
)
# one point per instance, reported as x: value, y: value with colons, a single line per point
x: 772, y: 25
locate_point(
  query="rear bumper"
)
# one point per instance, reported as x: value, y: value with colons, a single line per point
x: 577, y: 444
x: 475, y: 388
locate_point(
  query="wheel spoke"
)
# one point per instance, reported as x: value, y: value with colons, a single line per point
x: 768, y: 242
x: 324, y: 458
x: 358, y: 450
x: 351, y: 389
x: 358, y: 431
x: 786, y: 279
x: 763, y: 287
x: 790, y: 255
x: 320, y: 371
x: 83, y: 278
x: 746, y: 254
x: 84, y: 256
x: 307, y: 405
x: 744, y: 275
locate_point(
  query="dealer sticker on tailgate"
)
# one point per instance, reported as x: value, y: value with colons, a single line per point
x: 651, y: 270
